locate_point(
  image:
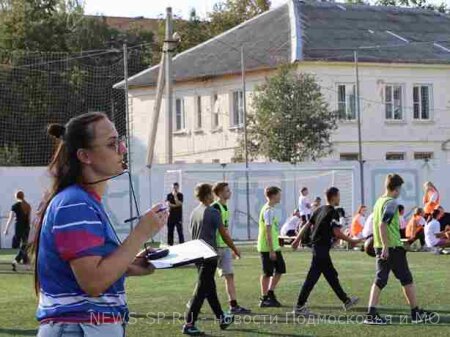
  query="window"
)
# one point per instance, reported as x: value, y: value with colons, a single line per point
x: 180, y: 118
x: 348, y: 156
x: 346, y: 101
x: 422, y: 100
x: 423, y: 155
x: 237, y: 115
x: 393, y: 102
x: 198, y: 120
x: 215, y: 111
x: 395, y: 156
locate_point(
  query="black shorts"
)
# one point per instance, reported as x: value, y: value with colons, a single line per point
x: 270, y: 267
x: 396, y: 262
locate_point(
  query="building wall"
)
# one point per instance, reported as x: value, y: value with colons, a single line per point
x: 379, y: 136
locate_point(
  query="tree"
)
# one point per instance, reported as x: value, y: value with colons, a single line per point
x: 56, y: 63
x: 224, y: 16
x: 424, y: 4
x: 229, y: 13
x: 291, y: 121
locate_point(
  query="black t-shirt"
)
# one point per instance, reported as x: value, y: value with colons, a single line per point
x: 176, y: 213
x: 444, y: 221
x: 324, y: 220
x: 22, y: 218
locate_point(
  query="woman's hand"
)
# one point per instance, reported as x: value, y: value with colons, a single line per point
x: 153, y: 220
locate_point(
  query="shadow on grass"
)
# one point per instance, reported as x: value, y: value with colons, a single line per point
x: 18, y: 332
x: 268, y: 333
x: 392, y: 311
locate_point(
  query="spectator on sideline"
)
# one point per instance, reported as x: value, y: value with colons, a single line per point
x: 358, y: 221
x: 175, y: 202
x: 21, y: 211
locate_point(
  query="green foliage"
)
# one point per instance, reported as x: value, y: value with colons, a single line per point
x: 424, y: 4
x: 291, y: 121
x: 9, y: 155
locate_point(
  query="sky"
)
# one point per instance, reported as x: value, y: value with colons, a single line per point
x: 155, y: 8
x: 152, y: 8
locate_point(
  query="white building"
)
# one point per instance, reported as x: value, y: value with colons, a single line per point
x: 404, y: 83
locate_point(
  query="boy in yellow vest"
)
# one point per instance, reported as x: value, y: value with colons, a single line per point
x: 272, y: 260
x: 391, y: 255
x: 225, y: 264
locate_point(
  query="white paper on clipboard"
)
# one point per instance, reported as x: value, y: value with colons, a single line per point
x: 185, y: 253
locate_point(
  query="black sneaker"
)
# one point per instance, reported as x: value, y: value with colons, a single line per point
x: 192, y: 330
x: 265, y: 303
x: 375, y: 320
x: 238, y: 310
x: 422, y: 316
x: 13, y: 265
x: 225, y: 321
x: 274, y: 302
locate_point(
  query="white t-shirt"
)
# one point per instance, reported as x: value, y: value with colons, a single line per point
x: 431, y: 229
x: 269, y: 215
x: 368, y: 226
x: 403, y: 222
x: 304, y: 205
x: 290, y: 224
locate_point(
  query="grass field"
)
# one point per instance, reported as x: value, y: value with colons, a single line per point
x: 158, y: 301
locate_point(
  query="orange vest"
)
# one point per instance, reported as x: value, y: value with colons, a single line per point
x: 356, y: 227
x: 430, y: 206
x: 409, y: 227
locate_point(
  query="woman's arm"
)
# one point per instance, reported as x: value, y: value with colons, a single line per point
x: 95, y: 274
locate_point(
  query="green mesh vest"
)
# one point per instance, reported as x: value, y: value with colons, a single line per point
x: 393, y: 229
x: 225, y: 215
x: 262, y: 238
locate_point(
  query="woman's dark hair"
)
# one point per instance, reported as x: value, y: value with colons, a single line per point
x: 65, y: 168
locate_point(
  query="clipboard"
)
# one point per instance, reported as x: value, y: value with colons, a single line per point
x: 190, y: 252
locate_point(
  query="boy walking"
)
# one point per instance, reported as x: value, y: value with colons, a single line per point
x: 225, y: 264
x: 391, y: 255
x: 325, y: 223
x: 205, y: 222
x: 268, y: 246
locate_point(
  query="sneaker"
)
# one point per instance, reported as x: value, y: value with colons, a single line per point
x: 375, y: 320
x: 302, y: 311
x: 238, y: 310
x: 265, y: 303
x: 225, y: 321
x: 14, y: 265
x: 422, y: 316
x: 350, y: 303
x: 192, y: 330
x: 274, y: 302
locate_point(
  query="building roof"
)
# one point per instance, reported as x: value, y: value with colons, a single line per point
x: 316, y: 31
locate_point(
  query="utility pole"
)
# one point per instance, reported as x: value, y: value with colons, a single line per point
x: 358, y: 111
x: 169, y: 82
x: 244, y: 113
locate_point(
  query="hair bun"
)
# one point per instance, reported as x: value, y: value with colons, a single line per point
x: 56, y: 130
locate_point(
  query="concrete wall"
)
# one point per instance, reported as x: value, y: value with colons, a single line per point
x: 152, y: 186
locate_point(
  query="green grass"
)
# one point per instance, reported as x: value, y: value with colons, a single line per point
x: 166, y: 292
